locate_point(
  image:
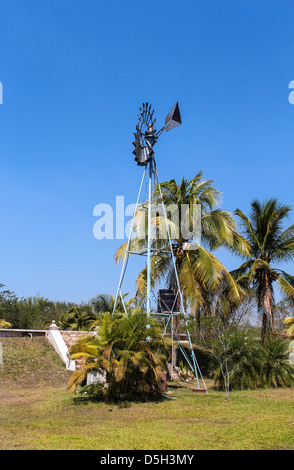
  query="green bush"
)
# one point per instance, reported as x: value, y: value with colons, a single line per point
x: 276, y: 370
x: 252, y: 364
x: 132, y: 365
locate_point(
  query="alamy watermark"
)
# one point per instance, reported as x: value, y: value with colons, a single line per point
x: 167, y: 222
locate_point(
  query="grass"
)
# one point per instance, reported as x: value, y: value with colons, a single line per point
x: 29, y: 363
x: 41, y: 415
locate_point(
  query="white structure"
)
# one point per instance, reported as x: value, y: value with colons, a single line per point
x: 55, y: 338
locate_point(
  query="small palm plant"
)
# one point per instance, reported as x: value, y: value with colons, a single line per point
x: 289, y: 327
x: 252, y: 364
x: 4, y: 324
x: 276, y: 370
x: 132, y: 365
x: 242, y: 357
x: 78, y: 318
x: 105, y: 303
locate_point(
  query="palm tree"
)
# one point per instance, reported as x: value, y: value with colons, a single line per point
x: 250, y: 363
x: 132, y: 366
x: 78, y: 318
x: 269, y: 243
x: 289, y: 327
x: 240, y: 355
x: 199, y: 270
x: 276, y: 370
x: 4, y: 324
x: 105, y: 303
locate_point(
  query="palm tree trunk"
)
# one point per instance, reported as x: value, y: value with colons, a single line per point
x: 263, y: 328
x: 267, y: 307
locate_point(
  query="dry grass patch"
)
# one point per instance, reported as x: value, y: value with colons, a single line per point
x: 37, y: 413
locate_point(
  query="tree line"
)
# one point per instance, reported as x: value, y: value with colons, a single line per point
x: 37, y: 313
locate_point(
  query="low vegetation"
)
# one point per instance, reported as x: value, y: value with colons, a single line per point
x: 238, y: 360
x: 30, y: 363
x: 46, y: 418
x: 133, y: 366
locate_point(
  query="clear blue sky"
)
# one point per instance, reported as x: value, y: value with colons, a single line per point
x: 74, y: 73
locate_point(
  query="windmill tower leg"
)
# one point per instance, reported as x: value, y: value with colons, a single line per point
x: 193, y: 361
x: 126, y: 257
x: 149, y: 245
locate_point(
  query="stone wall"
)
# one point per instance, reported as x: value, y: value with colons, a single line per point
x: 70, y: 338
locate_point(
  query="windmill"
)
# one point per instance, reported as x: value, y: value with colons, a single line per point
x: 146, y: 137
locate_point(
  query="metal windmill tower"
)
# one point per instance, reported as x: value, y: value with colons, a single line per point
x: 146, y: 137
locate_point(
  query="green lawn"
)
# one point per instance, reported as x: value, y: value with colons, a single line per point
x: 43, y: 416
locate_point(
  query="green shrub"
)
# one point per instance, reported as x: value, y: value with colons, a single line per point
x: 276, y: 369
x: 252, y: 364
x: 244, y: 362
x: 132, y: 365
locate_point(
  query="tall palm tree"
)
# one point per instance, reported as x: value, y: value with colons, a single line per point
x: 270, y: 244
x: 199, y: 271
